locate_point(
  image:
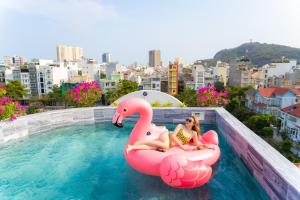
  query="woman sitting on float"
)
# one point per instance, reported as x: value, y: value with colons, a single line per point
x: 183, y: 134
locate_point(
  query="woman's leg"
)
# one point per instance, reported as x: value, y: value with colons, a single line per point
x: 162, y: 142
x: 139, y: 147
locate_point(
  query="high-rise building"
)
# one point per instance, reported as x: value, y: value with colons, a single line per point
x: 106, y: 58
x: 69, y: 53
x: 173, y: 79
x: 154, y: 58
x: 14, y: 60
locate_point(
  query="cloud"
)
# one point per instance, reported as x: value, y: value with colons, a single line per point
x: 63, y: 11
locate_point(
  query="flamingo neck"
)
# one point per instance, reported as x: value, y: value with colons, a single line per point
x: 142, y: 126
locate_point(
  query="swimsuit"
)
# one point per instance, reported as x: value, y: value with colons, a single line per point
x: 183, y: 138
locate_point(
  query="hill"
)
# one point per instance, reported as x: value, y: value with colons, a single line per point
x: 259, y: 53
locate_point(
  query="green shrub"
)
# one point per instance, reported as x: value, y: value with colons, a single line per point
x: 31, y: 110
x: 114, y: 104
x: 167, y: 104
x: 267, y: 131
x: 182, y: 105
x: 155, y: 104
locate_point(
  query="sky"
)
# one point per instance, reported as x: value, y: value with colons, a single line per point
x: 128, y: 29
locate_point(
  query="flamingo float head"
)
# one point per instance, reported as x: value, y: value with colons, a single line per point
x: 129, y: 107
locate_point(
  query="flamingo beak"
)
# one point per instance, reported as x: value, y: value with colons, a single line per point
x: 117, y: 120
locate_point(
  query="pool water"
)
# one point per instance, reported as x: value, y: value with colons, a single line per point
x: 86, y: 162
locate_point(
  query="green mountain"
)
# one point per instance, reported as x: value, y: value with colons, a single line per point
x: 259, y: 53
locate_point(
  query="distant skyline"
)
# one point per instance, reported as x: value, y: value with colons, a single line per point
x: 191, y: 29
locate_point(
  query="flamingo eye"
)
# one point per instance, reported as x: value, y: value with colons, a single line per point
x: 124, y: 110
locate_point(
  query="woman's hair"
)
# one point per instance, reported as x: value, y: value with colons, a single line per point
x: 196, y: 126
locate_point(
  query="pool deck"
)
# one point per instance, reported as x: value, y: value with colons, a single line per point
x: 279, y: 177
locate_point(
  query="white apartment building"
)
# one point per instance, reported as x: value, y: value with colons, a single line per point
x: 44, y: 74
x: 290, y: 121
x: 198, y: 75
x: 152, y: 83
x: 91, y: 70
x: 111, y: 68
x: 60, y: 75
x: 22, y: 75
x: 69, y: 53
x: 44, y: 79
x: 281, y: 68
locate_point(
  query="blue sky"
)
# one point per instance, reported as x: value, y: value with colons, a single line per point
x: 191, y: 29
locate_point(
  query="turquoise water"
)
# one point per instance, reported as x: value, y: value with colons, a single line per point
x: 86, y: 162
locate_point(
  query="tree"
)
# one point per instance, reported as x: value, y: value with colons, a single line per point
x: 267, y: 131
x: 258, y: 122
x: 15, y: 90
x: 219, y: 86
x: 85, y: 94
x: 237, y: 93
x: 242, y: 113
x: 110, y: 97
x: 189, y: 97
x: 102, y: 75
x: 56, y: 94
x: 125, y: 87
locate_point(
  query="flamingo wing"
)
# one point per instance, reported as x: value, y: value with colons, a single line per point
x: 177, y: 171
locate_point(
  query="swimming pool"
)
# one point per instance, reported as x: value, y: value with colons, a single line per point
x: 86, y: 162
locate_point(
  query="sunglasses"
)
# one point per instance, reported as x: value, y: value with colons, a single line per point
x: 189, y: 120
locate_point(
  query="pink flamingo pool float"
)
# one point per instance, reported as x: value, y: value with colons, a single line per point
x: 176, y: 167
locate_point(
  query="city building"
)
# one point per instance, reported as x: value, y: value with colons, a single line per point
x: 106, y: 58
x: 198, y: 75
x: 173, y: 79
x: 250, y: 98
x: 2, y: 74
x: 259, y: 78
x: 281, y: 67
x: 164, y: 84
x: 91, y: 70
x: 240, y: 73
x: 293, y: 77
x: 154, y: 58
x: 187, y: 77
x: 69, y: 53
x: 112, y: 67
x: 271, y: 100
x: 14, y: 60
x: 22, y: 75
x: 41, y: 76
x: 290, y: 121
x: 152, y: 83
x: 221, y: 72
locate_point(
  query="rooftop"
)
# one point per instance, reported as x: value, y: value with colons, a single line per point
x: 268, y: 92
x: 293, y: 110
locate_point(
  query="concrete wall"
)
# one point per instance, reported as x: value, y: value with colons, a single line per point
x: 279, y: 177
x: 151, y: 96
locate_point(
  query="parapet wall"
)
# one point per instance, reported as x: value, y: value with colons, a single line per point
x: 278, y: 176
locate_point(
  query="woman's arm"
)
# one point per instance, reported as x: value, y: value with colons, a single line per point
x: 196, y: 140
